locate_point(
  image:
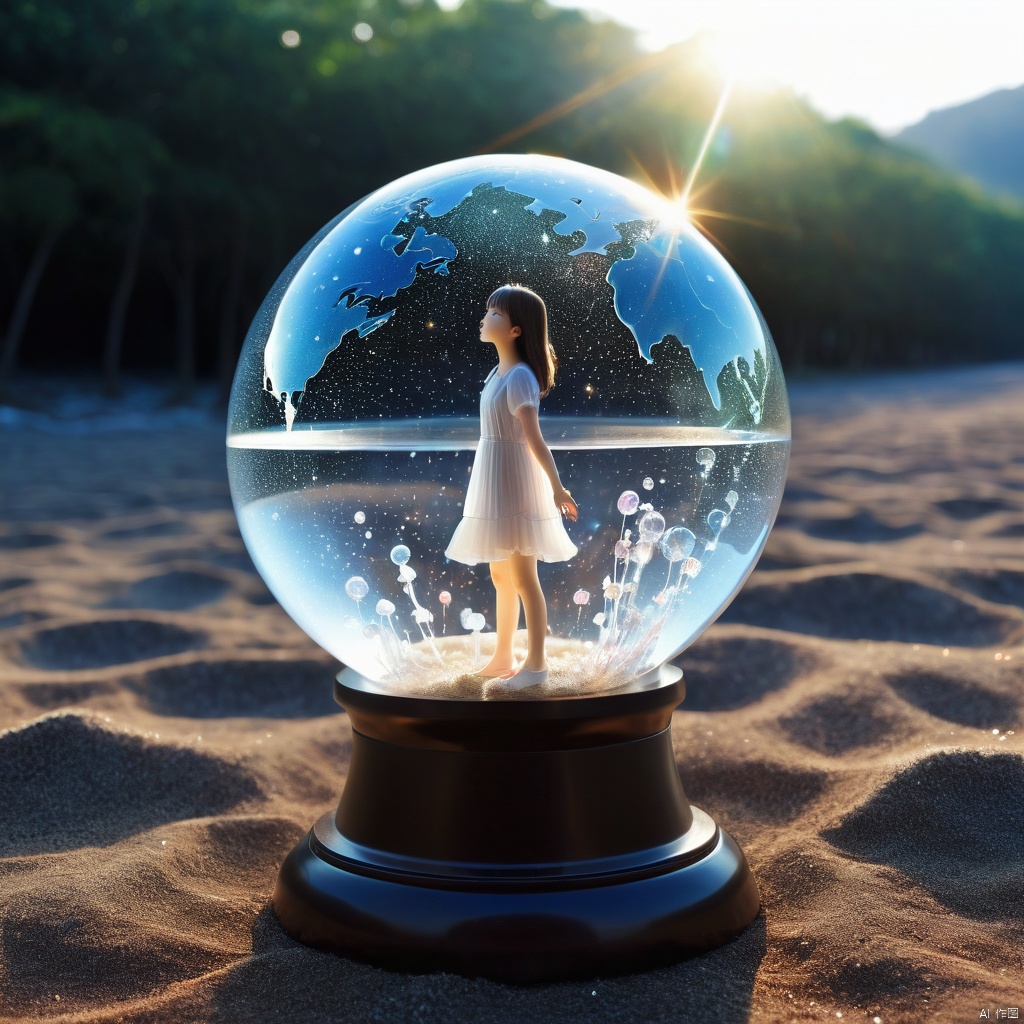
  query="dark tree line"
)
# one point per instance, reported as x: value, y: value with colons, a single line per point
x: 160, y: 161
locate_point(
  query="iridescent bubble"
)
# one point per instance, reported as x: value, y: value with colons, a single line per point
x: 360, y: 518
x: 581, y: 597
x: 705, y: 459
x: 385, y: 607
x: 677, y: 543
x: 652, y: 526
x: 648, y: 483
x: 357, y: 588
x: 628, y: 502
x: 400, y: 554
x: 444, y: 597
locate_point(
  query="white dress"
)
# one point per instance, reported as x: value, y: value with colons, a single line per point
x: 509, y: 505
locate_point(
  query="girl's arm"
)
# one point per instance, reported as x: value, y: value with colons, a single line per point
x: 531, y: 429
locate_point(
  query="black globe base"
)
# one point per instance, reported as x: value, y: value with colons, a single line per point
x: 519, y: 840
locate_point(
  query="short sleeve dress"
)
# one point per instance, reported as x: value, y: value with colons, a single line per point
x: 509, y: 505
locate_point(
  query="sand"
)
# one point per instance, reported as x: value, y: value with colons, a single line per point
x: 854, y: 720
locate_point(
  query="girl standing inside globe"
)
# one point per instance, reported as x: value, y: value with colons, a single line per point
x: 512, y: 517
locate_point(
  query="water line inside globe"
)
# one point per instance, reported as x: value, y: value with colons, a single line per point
x: 348, y: 525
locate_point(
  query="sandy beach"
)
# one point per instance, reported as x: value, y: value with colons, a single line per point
x: 855, y: 720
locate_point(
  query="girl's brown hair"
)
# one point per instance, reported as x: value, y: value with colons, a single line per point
x: 526, y: 310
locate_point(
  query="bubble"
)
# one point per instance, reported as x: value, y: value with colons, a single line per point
x: 652, y: 526
x: 730, y: 499
x: 357, y: 588
x: 648, y: 483
x: 581, y: 597
x: 385, y: 607
x: 360, y: 518
x: 444, y: 597
x: 371, y: 630
x: 677, y: 543
x: 718, y: 520
x: 400, y: 554
x: 628, y: 502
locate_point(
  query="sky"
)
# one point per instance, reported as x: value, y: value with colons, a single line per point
x: 888, y: 62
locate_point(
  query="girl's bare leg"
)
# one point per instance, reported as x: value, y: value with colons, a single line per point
x: 527, y: 587
x: 507, y: 620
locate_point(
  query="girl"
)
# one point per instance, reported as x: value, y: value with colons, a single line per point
x: 515, y: 500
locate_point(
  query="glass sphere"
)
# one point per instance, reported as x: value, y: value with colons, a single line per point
x: 355, y: 422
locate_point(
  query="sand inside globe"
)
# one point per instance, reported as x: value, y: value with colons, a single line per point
x: 570, y: 672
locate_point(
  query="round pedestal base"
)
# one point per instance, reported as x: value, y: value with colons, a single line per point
x: 518, y: 930
x: 521, y: 840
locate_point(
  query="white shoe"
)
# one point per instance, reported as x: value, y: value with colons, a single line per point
x: 522, y: 680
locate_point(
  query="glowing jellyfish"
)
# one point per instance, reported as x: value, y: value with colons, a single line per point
x: 474, y: 621
x: 400, y: 554
x: 677, y: 543
x: 385, y: 607
x: 356, y: 588
x: 692, y: 567
x: 648, y: 483
x: 643, y: 552
x: 718, y: 521
x: 622, y: 550
x: 652, y: 526
x: 360, y: 518
x: 445, y: 598
x: 612, y: 591
x: 599, y: 619
x: 406, y: 573
x: 730, y: 499
x: 581, y: 597
x: 705, y: 459
x: 628, y: 502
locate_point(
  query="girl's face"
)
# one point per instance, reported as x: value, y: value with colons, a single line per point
x: 496, y: 327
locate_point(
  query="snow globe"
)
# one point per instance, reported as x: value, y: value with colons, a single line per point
x: 485, y: 830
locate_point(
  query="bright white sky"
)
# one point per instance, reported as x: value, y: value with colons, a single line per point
x: 888, y: 62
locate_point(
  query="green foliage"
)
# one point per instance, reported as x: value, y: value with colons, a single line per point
x: 200, y: 109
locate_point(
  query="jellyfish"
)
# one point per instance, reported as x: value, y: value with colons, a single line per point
x: 446, y: 599
x: 580, y: 598
x: 718, y: 521
x: 627, y: 504
x: 406, y: 574
x: 360, y: 518
x: 675, y: 545
x: 705, y: 459
x: 648, y: 483
x: 385, y: 607
x: 474, y: 622
x: 692, y: 567
x: 652, y: 526
x: 730, y: 499
x: 357, y: 589
x: 400, y: 554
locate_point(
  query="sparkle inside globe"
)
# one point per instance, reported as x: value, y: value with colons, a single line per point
x: 355, y: 418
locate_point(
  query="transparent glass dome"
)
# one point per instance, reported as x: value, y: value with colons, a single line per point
x: 355, y: 416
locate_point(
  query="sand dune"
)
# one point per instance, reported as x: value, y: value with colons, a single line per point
x: 854, y: 719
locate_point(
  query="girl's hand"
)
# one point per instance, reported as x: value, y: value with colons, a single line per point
x: 563, y: 499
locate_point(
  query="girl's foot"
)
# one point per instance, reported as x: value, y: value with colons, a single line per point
x: 493, y: 669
